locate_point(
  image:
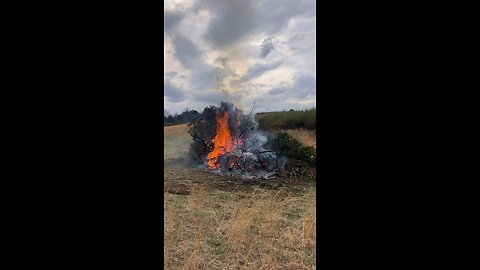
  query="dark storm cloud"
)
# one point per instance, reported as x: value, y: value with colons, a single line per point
x: 259, y: 69
x: 275, y: 14
x: 171, y: 74
x: 266, y: 47
x: 173, y: 93
x: 207, y: 37
x: 306, y: 83
x: 184, y: 49
x: 232, y: 21
x: 187, y: 52
x: 277, y: 90
x: 171, y: 19
x: 303, y: 85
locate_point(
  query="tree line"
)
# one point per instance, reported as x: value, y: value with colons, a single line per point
x: 186, y: 116
x: 268, y: 121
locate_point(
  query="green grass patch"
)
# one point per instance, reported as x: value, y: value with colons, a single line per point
x: 288, y: 120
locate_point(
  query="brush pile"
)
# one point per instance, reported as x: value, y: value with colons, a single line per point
x: 228, y: 142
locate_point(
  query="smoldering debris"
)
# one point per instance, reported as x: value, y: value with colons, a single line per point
x: 228, y: 142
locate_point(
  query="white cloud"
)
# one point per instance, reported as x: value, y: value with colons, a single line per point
x: 244, y: 51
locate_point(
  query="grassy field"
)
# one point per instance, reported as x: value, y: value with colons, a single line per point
x: 216, y: 222
x: 306, y: 119
x: 176, y: 141
x: 305, y: 136
x: 299, y: 124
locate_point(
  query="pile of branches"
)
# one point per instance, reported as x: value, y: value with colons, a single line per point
x: 203, y: 130
x: 253, y: 158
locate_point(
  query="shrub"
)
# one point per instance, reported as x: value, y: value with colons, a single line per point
x: 292, y: 148
x: 202, y: 131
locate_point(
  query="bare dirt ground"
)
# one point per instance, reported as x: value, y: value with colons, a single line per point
x: 215, y: 222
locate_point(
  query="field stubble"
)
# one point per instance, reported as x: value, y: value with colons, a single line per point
x: 212, y: 222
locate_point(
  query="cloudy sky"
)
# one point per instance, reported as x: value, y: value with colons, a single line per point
x: 244, y: 51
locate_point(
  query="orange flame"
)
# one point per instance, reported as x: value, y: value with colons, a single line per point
x: 223, y: 140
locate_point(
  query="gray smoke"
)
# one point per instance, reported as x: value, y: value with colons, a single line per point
x: 253, y: 158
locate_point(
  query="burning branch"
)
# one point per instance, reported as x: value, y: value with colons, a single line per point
x: 249, y: 117
x: 222, y: 142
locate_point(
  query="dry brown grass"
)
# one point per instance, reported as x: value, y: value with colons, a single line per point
x: 213, y: 229
x: 211, y: 226
x: 176, y: 141
x: 305, y: 136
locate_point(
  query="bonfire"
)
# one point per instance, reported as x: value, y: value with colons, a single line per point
x: 228, y: 142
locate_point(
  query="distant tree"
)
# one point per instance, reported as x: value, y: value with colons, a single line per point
x: 186, y: 116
